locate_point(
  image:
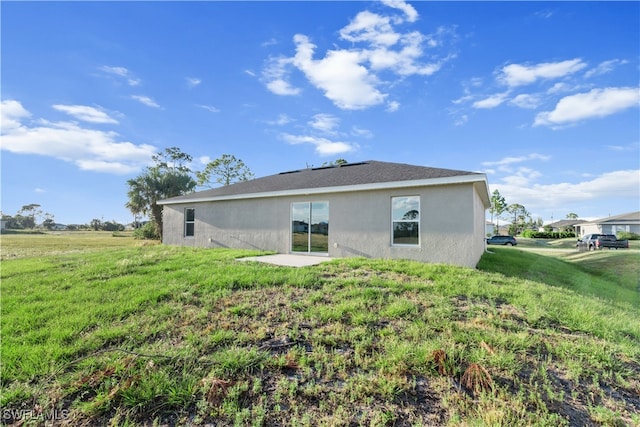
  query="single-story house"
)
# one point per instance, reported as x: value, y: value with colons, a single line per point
x: 564, y: 225
x: 629, y: 222
x: 371, y: 209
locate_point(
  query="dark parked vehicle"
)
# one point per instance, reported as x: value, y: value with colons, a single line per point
x: 592, y: 242
x: 502, y: 240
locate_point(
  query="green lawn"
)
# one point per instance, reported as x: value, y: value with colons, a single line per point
x: 20, y: 244
x: 123, y: 333
x: 612, y: 275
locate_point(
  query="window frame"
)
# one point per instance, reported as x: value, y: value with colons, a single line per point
x: 309, y: 221
x: 188, y: 222
x: 416, y: 221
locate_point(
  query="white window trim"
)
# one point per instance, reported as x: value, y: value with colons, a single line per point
x: 419, y: 221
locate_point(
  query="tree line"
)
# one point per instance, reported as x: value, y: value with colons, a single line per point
x: 520, y: 217
x: 29, y: 217
x: 170, y: 175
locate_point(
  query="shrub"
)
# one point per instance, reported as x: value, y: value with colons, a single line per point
x: 147, y: 232
x: 532, y: 234
x: 626, y: 235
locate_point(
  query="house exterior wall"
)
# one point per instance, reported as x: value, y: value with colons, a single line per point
x: 452, y: 224
x: 591, y: 228
x: 616, y: 228
x: 479, y: 224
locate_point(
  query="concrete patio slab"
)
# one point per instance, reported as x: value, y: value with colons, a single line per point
x: 288, y: 260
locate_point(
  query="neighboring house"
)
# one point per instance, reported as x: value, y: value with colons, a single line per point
x: 629, y: 222
x: 135, y: 225
x: 492, y: 229
x: 59, y: 227
x: 565, y: 225
x: 489, y: 228
x: 370, y: 209
x: 3, y: 224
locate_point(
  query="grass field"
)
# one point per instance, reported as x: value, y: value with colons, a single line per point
x: 105, y: 330
x: 23, y: 244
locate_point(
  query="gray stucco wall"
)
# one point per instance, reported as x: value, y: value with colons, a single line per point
x: 590, y: 228
x: 452, y: 221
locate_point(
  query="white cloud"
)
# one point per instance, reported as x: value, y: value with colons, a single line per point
x: 463, y: 99
x: 621, y: 184
x: 89, y: 149
x: 350, y: 77
x: 117, y: 168
x: 404, y: 60
x: 325, y: 123
x: 371, y: 28
x: 11, y: 113
x: 605, y: 67
x: 506, y: 161
x: 492, y: 101
x: 562, y: 87
x: 86, y: 113
x: 544, y: 14
x: 40, y: 190
x: 363, y: 133
x: 339, y: 74
x: 527, y: 101
x: 193, y: 81
x: 522, y: 177
x: 409, y: 11
x: 276, y: 74
x: 323, y: 146
x: 272, y: 41
x: 518, y: 75
x: 210, y: 108
x: 123, y: 73
x: 145, y: 100
x: 204, y: 160
x: 282, y: 87
x: 393, y: 106
x: 594, y: 104
x: 282, y: 120
x: 629, y: 147
x: 461, y: 120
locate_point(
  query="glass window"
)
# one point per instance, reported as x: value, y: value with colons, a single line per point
x: 405, y: 220
x: 189, y: 222
x: 300, y: 227
x: 319, y: 238
x: 310, y: 227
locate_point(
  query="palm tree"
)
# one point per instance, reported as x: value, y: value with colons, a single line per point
x: 167, y: 178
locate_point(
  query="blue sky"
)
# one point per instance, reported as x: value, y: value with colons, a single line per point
x: 541, y: 96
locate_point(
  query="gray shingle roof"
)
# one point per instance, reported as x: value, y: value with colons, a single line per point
x: 368, y: 172
x: 620, y: 219
x: 566, y: 223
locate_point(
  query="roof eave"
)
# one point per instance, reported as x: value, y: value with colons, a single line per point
x: 461, y: 179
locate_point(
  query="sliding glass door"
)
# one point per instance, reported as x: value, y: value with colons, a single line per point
x: 310, y: 227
